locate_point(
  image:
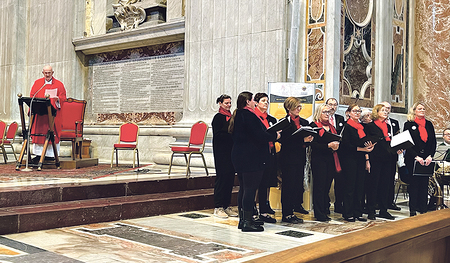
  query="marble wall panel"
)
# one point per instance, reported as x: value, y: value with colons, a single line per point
x: 244, y: 62
x: 207, y: 20
x: 175, y: 9
x: 399, y: 62
x: 258, y: 12
x: 256, y: 60
x: 432, y: 59
x: 245, y: 17
x: 315, y: 46
x: 220, y: 25
x: 231, y: 58
x: 206, y: 74
x: 218, y: 79
x: 232, y: 17
x: 358, y: 53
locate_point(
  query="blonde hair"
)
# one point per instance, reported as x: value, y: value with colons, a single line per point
x: 291, y: 103
x: 412, y: 111
x: 375, y: 111
x: 319, y: 111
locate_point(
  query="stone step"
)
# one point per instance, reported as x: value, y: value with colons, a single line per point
x: 17, y: 219
x: 41, y: 194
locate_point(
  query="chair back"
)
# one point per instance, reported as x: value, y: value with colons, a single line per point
x: 2, y: 130
x: 198, y: 133
x: 72, y: 120
x: 12, y: 130
x: 129, y: 133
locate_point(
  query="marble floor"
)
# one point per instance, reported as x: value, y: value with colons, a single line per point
x: 195, y: 236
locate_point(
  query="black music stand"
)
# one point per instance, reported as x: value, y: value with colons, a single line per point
x: 40, y: 106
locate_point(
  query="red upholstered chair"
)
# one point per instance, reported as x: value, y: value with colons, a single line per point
x: 3, y: 136
x: 128, y: 140
x: 72, y: 113
x: 8, y: 139
x: 196, y: 146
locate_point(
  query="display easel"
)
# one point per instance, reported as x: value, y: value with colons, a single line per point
x: 39, y: 106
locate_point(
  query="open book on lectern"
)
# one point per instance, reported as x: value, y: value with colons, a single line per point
x: 305, y: 131
x: 282, y: 124
x: 402, y: 140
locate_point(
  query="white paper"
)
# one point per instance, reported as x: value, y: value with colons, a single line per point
x: 52, y: 92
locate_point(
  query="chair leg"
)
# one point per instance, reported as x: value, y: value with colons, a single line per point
x: 12, y: 148
x: 80, y: 148
x: 170, y: 165
x: 188, y: 163
x: 73, y: 149
x: 112, y: 157
x: 204, y: 164
x: 398, y: 190
x: 134, y: 158
x: 137, y: 154
x: 5, y: 156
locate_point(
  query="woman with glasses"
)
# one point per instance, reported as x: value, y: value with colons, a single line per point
x: 249, y: 155
x: 378, y: 181
x: 292, y: 162
x: 354, y: 145
x: 424, y: 137
x: 222, y: 144
x: 270, y: 173
x: 324, y: 162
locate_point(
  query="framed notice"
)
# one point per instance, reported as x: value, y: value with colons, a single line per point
x: 280, y: 91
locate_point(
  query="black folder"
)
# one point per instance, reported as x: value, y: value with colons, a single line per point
x: 402, y: 140
x: 422, y: 170
x: 305, y: 131
x: 282, y: 124
x: 331, y: 137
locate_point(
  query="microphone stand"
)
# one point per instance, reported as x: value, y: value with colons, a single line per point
x: 27, y: 169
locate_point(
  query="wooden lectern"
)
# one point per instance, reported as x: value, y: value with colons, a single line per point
x: 38, y: 106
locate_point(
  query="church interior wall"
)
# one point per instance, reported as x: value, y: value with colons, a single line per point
x: 229, y: 46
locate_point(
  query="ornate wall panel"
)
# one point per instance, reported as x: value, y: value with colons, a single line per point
x: 432, y: 59
x: 398, y: 92
x: 358, y: 24
x: 315, y: 45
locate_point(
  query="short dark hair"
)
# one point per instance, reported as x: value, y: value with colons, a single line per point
x: 260, y: 95
x: 222, y: 98
x: 326, y: 102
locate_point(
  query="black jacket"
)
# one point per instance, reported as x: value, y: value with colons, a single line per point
x: 222, y: 144
x: 293, y: 147
x: 250, y: 151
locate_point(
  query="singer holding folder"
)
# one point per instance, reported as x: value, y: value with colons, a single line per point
x: 292, y: 163
x: 424, y: 137
x: 324, y: 162
x: 47, y: 85
x: 379, y: 179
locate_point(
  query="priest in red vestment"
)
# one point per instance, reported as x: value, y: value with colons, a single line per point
x: 47, y: 85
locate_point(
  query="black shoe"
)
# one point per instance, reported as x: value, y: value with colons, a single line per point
x: 248, y: 224
x: 35, y: 160
x: 268, y: 219
x: 361, y: 219
x: 393, y: 206
x: 257, y: 221
x: 386, y: 215
x: 371, y: 216
x: 412, y: 213
x: 301, y: 210
x: 266, y: 209
x: 323, y: 219
x: 292, y: 219
x: 349, y: 219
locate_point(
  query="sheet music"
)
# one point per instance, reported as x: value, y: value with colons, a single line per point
x: 52, y: 92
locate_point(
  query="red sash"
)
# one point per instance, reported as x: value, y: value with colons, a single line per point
x: 225, y: 112
x: 357, y: 126
x: 422, y: 131
x: 383, y: 126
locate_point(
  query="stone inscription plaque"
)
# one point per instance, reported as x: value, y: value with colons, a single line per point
x: 151, y: 84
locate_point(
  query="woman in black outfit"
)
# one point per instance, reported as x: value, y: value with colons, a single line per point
x: 424, y: 137
x: 292, y: 161
x: 249, y: 155
x: 222, y: 144
x: 354, y: 145
x: 270, y: 173
x: 324, y: 163
x: 380, y: 163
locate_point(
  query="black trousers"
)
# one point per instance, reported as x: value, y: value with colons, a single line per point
x: 322, y: 173
x: 353, y: 170
x: 417, y: 190
x: 223, y: 187
x: 292, y: 187
x: 248, y: 184
x: 379, y: 183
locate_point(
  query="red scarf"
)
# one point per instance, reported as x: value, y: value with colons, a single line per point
x: 262, y: 116
x: 357, y: 126
x: 225, y: 112
x: 296, y: 120
x: 422, y: 131
x: 337, y: 164
x: 384, y: 128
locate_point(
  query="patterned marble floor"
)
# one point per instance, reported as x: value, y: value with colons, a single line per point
x: 184, y: 237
